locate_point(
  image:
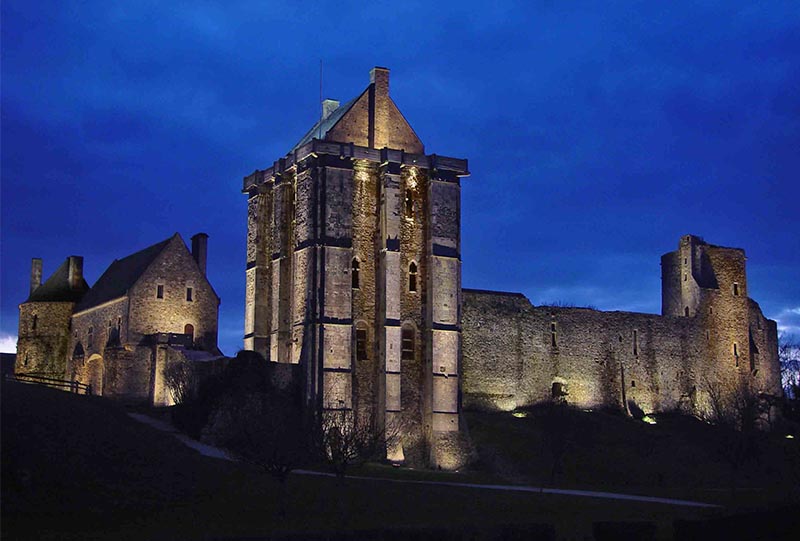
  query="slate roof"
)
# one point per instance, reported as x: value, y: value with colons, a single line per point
x: 120, y: 276
x: 57, y: 289
x: 322, y: 127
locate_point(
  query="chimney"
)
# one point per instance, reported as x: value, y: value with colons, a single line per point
x: 380, y: 78
x: 329, y: 106
x: 75, y: 271
x: 36, y: 273
x: 200, y: 250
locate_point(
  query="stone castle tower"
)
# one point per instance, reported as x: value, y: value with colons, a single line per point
x: 709, y: 284
x: 44, y: 318
x: 354, y: 273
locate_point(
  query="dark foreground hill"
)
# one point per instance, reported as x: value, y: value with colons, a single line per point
x: 76, y: 467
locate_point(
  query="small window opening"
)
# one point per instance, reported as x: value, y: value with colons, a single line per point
x: 553, y: 335
x: 408, y: 205
x: 361, y: 345
x: 189, y: 294
x: 119, y: 322
x: 412, y: 276
x: 685, y: 277
x: 636, y: 342
x: 633, y: 383
x: 407, y: 351
x: 710, y: 309
x: 25, y: 361
x: 160, y: 291
x: 686, y: 311
x: 35, y: 322
x: 735, y: 289
x: 355, y: 267
x: 558, y: 390
x: 708, y: 335
x: 685, y: 261
x: 735, y: 349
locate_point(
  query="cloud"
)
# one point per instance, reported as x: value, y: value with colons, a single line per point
x: 8, y: 343
x: 788, y: 321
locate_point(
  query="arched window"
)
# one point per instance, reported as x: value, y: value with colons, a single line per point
x: 356, y: 267
x: 189, y: 330
x: 686, y: 311
x: 412, y: 276
x: 407, y: 345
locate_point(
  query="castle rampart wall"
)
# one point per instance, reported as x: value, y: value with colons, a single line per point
x: 42, y: 347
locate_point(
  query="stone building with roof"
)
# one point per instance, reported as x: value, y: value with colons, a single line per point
x: 147, y: 310
x: 45, y: 318
x: 354, y: 274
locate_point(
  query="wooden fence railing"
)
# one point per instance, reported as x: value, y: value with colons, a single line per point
x: 71, y: 386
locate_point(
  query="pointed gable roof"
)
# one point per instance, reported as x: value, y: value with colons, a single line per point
x: 371, y: 119
x: 57, y: 288
x: 121, y: 275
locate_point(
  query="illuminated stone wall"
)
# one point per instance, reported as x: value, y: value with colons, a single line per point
x: 114, y: 346
x: 43, y: 350
x: 516, y: 354
x: 384, y: 348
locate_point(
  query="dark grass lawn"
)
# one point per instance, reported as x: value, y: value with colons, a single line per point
x: 76, y: 467
x: 679, y: 456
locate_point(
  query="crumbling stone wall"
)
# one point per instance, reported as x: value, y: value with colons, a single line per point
x: 711, y: 337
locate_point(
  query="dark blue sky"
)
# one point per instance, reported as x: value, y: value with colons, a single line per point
x: 597, y: 133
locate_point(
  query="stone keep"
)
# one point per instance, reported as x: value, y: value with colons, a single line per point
x: 354, y: 273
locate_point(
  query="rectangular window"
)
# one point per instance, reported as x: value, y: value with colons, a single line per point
x: 635, y: 342
x: 735, y: 289
x: 553, y: 338
x: 361, y: 345
x: 189, y: 294
x: 407, y: 352
x: 160, y: 291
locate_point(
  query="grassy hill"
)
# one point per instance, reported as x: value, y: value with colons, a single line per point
x: 76, y: 467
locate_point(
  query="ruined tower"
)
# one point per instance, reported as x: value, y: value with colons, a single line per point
x: 709, y: 284
x: 354, y: 273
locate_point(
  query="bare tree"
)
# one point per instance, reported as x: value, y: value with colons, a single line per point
x: 179, y: 377
x: 268, y: 430
x: 789, y: 357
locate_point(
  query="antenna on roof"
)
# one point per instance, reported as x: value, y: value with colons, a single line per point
x: 321, y: 107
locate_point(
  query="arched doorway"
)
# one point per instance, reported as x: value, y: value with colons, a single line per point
x: 188, y: 329
x: 94, y: 374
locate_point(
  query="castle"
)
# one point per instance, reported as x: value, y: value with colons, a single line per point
x: 148, y: 310
x: 354, y: 274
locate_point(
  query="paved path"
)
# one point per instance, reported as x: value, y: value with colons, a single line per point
x: 215, y: 452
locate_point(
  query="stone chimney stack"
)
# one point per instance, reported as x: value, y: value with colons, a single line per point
x: 379, y: 108
x: 380, y: 78
x: 75, y: 271
x: 200, y: 250
x: 36, y: 273
x: 329, y: 106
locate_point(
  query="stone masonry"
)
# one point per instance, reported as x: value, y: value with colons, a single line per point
x: 709, y: 333
x: 353, y: 272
